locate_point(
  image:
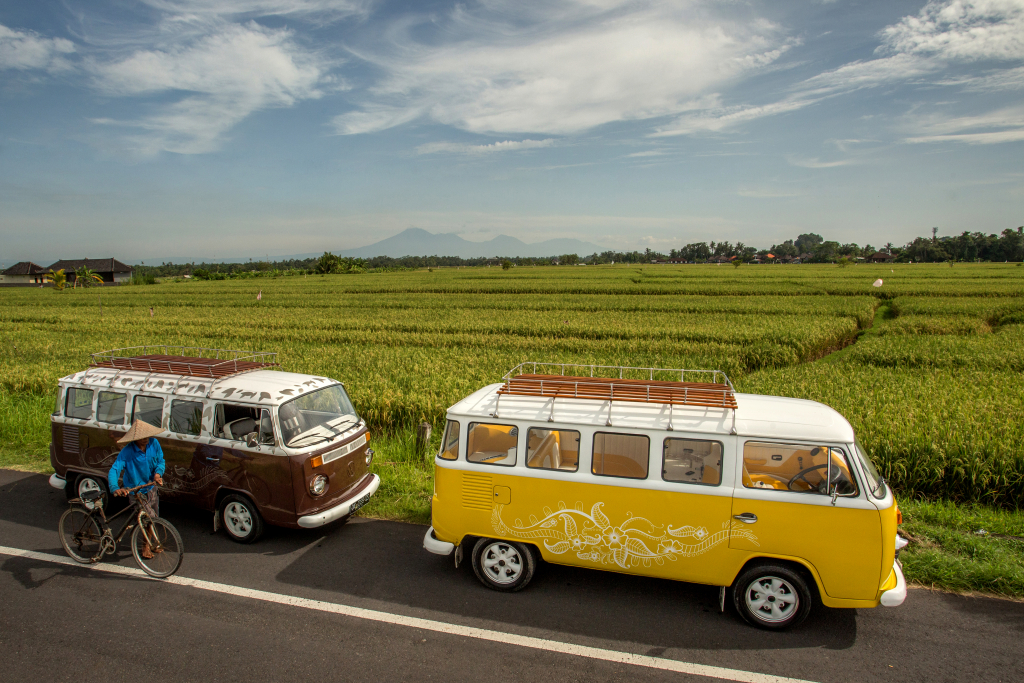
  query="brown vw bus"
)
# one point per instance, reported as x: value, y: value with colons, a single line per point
x: 250, y: 443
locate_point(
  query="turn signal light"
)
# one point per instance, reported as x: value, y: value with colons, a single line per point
x: 367, y: 437
x: 899, y: 516
x: 316, y: 462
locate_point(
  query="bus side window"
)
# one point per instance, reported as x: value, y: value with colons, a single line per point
x: 450, y: 442
x: 492, y: 444
x: 79, y: 404
x: 553, y: 449
x: 110, y: 407
x: 692, y: 461
x: 621, y: 455
x: 148, y: 409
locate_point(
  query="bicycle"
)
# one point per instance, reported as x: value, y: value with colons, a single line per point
x: 86, y: 535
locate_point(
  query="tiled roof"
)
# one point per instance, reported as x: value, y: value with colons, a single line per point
x: 97, y: 265
x: 24, y: 268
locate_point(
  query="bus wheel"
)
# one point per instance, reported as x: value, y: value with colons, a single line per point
x: 772, y: 597
x: 240, y: 519
x: 503, y: 565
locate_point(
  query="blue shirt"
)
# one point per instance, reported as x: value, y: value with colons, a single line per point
x: 138, y: 466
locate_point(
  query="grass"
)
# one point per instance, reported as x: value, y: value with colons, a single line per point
x: 948, y: 552
x: 932, y: 384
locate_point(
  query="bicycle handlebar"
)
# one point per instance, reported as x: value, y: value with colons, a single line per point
x: 136, y: 488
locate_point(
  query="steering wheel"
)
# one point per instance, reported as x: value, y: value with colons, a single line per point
x: 802, y: 474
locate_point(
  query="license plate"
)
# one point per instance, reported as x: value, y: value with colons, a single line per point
x: 359, y: 503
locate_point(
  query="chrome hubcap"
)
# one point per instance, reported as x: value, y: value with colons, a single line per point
x: 237, y: 519
x: 501, y: 563
x: 85, y: 486
x: 771, y: 599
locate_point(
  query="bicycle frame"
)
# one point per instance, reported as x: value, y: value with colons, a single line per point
x: 130, y: 523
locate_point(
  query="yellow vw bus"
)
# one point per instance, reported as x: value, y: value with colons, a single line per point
x: 669, y: 474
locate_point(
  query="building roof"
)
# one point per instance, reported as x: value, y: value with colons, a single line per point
x: 262, y: 387
x: 98, y: 265
x: 767, y: 417
x: 881, y: 255
x: 24, y: 268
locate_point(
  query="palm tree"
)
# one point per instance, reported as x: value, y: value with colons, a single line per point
x: 57, y: 278
x: 86, y: 277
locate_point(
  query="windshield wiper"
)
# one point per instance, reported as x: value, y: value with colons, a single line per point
x: 300, y: 438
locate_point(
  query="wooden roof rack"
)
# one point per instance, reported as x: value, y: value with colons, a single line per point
x: 714, y: 391
x: 189, y: 360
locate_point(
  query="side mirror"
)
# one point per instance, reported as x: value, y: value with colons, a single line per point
x: 252, y: 440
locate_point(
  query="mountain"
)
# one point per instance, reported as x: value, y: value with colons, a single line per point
x: 419, y: 242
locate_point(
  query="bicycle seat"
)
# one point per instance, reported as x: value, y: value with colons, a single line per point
x: 91, y: 495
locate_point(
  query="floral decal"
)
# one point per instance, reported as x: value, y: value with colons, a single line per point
x: 634, y: 542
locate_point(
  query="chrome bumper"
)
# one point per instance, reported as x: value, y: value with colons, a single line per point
x: 338, y: 511
x: 431, y: 544
x: 57, y: 481
x: 895, y: 596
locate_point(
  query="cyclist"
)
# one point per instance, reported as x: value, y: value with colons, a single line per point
x: 141, y: 460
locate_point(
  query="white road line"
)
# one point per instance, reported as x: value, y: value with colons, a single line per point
x: 428, y: 624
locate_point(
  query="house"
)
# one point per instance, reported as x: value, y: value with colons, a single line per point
x: 110, y: 269
x: 24, y: 273
x: 881, y: 257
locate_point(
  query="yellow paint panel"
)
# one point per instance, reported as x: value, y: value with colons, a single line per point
x: 843, y: 544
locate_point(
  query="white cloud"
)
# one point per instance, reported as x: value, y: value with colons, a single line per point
x: 917, y: 48
x: 816, y: 163
x: 504, y: 146
x: 961, y: 30
x: 25, y: 50
x: 1003, y: 125
x: 236, y: 8
x: 560, y: 67
x: 226, y: 76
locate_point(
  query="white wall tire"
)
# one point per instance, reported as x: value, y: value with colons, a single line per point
x: 503, y: 566
x: 772, y: 597
x: 240, y: 519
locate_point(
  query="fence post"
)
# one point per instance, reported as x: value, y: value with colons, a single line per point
x: 423, y: 438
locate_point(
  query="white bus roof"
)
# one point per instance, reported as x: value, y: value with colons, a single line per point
x: 770, y: 417
x: 264, y: 387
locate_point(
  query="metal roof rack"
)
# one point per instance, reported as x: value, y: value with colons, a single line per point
x: 707, y: 388
x: 189, y: 360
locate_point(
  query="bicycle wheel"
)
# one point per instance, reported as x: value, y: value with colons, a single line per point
x: 80, y: 535
x: 165, y: 546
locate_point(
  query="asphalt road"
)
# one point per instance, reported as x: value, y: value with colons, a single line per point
x: 68, y: 623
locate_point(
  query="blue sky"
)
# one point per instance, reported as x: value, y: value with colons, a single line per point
x: 216, y: 128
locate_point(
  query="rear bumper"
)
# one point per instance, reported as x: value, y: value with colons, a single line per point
x: 57, y: 481
x: 431, y: 544
x: 343, y: 508
x: 894, y: 597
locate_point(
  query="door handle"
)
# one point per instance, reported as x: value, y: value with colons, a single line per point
x: 746, y: 517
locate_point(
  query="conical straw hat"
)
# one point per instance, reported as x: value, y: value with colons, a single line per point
x: 139, y: 430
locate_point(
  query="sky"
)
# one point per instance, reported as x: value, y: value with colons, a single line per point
x: 219, y: 128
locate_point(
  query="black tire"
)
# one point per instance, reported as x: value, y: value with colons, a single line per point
x: 87, y: 482
x: 504, y: 566
x: 240, y: 519
x: 80, y: 535
x: 167, y: 553
x: 772, y: 596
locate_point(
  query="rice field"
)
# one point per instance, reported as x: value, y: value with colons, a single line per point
x: 926, y: 367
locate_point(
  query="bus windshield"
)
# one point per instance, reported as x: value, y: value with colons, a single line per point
x: 317, y: 416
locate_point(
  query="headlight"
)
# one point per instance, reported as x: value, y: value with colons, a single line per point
x: 318, y: 485
x: 369, y: 455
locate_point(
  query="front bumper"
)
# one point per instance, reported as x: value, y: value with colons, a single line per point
x: 431, y: 544
x: 894, y: 597
x: 57, y: 481
x: 342, y: 509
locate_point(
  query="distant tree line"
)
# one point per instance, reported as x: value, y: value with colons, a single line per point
x: 809, y: 247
